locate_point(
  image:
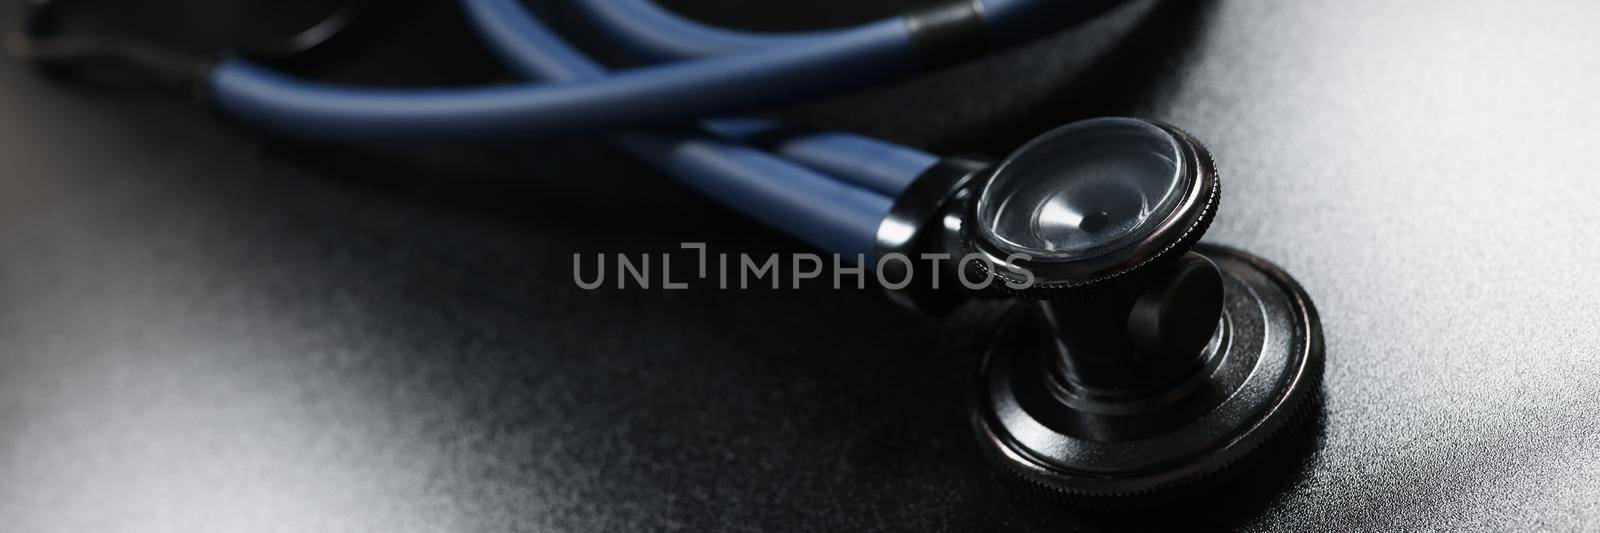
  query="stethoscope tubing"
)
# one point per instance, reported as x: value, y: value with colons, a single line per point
x: 816, y: 208
x: 541, y: 55
x: 651, y: 32
x: 655, y: 94
x: 831, y: 189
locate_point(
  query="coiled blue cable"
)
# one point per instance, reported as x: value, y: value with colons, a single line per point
x: 654, y: 94
x: 833, y: 216
x: 654, y: 33
x: 839, y: 60
x: 877, y: 165
x: 842, y: 59
x: 649, y: 31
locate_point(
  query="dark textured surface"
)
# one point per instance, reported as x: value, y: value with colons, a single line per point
x: 202, y: 329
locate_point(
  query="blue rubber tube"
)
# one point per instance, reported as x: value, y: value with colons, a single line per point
x: 833, y: 216
x: 648, y: 31
x: 540, y: 54
x: 653, y: 94
x: 875, y: 164
x: 844, y: 59
x: 815, y: 208
x: 652, y: 32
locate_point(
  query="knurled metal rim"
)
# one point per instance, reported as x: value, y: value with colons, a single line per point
x: 1300, y: 405
x: 1305, y: 411
x: 1206, y: 177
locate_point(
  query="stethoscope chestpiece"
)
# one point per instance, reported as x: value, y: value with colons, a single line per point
x: 1092, y: 206
x: 1137, y: 362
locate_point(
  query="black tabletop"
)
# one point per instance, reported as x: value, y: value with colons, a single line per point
x: 204, y: 328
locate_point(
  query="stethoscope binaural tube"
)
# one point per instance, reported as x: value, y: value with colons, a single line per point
x: 815, y: 208
x: 834, y: 197
x: 843, y: 59
x: 651, y: 32
x: 656, y: 94
x: 537, y: 53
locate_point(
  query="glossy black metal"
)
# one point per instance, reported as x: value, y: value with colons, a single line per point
x: 1141, y: 337
x: 948, y: 32
x: 1135, y: 366
x: 1077, y: 277
x: 1177, y: 310
x: 926, y: 219
x: 1119, y: 443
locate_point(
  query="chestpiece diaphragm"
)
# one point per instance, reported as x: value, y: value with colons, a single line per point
x: 1093, y: 200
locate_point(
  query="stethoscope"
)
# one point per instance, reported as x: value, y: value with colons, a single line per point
x: 1137, y: 363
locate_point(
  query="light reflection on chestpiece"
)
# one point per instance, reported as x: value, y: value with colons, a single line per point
x: 1137, y: 363
x: 1082, y: 189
